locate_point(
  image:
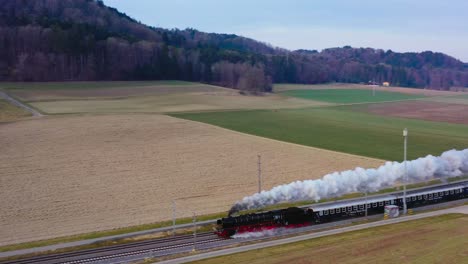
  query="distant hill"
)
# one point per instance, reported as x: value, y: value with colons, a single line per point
x: 61, y: 40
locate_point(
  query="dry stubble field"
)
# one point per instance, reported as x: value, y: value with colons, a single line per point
x: 151, y: 97
x: 66, y: 175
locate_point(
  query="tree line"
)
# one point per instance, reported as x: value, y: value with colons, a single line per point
x: 82, y: 40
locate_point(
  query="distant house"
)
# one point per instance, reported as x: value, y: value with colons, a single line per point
x: 386, y: 84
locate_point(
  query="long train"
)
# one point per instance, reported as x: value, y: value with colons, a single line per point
x: 332, y: 211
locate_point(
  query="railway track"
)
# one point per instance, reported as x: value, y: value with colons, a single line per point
x: 159, y: 247
x: 185, y: 243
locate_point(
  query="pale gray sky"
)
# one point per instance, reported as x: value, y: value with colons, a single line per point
x: 399, y: 25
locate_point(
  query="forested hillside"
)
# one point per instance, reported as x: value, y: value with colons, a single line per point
x: 77, y: 40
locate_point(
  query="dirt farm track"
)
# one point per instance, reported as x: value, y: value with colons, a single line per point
x: 66, y: 175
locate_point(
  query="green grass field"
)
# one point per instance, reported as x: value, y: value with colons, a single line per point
x: 440, y: 239
x: 337, y: 129
x: 347, y: 96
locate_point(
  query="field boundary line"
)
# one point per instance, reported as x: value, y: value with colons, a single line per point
x: 284, y: 142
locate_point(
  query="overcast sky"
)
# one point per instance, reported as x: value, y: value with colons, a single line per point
x: 399, y: 25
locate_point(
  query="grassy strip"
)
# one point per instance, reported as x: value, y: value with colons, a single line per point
x: 336, y: 128
x: 107, y: 243
x: 346, y: 96
x: 438, y: 239
x: 113, y: 232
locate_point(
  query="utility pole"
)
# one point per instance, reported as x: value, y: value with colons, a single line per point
x: 366, y: 202
x: 173, y: 217
x: 194, y: 232
x: 259, y: 174
x: 405, y: 135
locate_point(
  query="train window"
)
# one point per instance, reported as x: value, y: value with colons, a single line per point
x: 355, y: 208
x: 350, y: 208
x: 387, y: 202
x: 361, y: 207
x: 446, y: 192
x: 425, y: 197
x: 332, y: 211
x: 320, y: 213
x: 413, y: 198
x: 368, y: 206
x: 441, y: 193
x: 374, y: 205
x: 325, y: 212
x: 380, y: 203
x: 419, y: 197
x: 451, y: 191
x: 436, y: 195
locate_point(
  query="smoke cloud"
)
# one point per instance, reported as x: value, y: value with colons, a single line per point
x: 451, y: 163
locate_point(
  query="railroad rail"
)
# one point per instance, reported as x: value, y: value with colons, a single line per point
x: 157, y: 247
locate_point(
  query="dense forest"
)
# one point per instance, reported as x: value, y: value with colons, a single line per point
x: 78, y: 40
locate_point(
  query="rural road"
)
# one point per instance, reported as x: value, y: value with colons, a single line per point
x: 12, y: 100
x: 461, y: 209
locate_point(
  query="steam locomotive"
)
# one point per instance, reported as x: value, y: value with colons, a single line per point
x: 339, y: 210
x: 290, y: 217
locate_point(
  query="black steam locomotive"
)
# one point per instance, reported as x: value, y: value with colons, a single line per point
x: 339, y: 210
x: 290, y: 217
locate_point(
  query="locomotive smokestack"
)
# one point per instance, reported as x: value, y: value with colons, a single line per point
x: 451, y: 163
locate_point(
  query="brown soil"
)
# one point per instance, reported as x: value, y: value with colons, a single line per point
x: 441, y: 112
x: 75, y: 174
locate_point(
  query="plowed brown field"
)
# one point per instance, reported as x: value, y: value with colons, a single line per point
x: 75, y: 174
x: 431, y: 111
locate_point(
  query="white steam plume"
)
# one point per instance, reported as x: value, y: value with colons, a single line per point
x: 451, y: 163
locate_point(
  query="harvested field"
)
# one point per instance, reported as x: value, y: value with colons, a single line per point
x: 9, y: 112
x: 431, y: 111
x: 183, y: 102
x: 66, y: 175
x: 145, y: 97
x: 105, y: 91
x: 440, y: 239
x: 414, y: 91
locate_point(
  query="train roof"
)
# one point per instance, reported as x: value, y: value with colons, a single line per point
x: 387, y: 197
x: 354, y: 202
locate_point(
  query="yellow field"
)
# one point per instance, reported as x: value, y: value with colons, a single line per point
x: 184, y: 102
x: 66, y: 175
x: 142, y: 97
